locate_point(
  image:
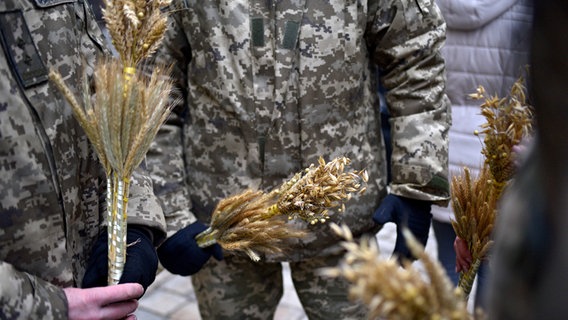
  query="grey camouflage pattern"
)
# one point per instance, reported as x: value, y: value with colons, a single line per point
x: 52, y: 188
x: 238, y: 288
x: 258, y: 110
x: 265, y: 88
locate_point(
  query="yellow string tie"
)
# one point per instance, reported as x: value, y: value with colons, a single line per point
x: 128, y: 74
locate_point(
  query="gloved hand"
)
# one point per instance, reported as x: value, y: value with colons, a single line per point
x: 181, y: 255
x: 414, y: 214
x: 141, y: 260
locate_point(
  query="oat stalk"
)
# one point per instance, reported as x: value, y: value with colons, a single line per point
x: 394, y: 292
x: 255, y: 222
x: 508, y: 121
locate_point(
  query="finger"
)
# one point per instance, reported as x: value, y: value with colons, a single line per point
x: 118, y: 293
x: 217, y: 252
x: 466, y: 255
x: 384, y: 214
x: 119, y: 310
x: 463, y: 261
x: 461, y: 265
x: 460, y: 247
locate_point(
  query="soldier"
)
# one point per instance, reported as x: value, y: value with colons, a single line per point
x: 52, y: 199
x: 267, y: 87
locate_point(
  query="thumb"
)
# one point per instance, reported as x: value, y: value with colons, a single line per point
x: 383, y: 215
x: 217, y: 252
x: 385, y: 212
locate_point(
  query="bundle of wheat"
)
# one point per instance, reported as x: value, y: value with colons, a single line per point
x: 474, y: 200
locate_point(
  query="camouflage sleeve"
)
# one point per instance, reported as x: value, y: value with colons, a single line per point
x: 165, y: 161
x: 143, y: 205
x: 165, y: 158
x: 406, y: 37
x: 175, y: 54
x: 23, y: 296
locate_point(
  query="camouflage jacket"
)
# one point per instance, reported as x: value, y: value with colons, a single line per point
x: 52, y: 188
x: 266, y: 87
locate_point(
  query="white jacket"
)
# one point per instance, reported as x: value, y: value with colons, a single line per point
x: 487, y: 44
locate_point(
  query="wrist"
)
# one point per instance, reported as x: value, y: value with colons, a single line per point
x: 141, y: 231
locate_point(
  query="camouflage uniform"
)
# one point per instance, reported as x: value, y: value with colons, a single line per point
x: 52, y: 188
x: 269, y: 86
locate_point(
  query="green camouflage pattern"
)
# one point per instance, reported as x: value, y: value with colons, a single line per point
x: 267, y: 87
x: 52, y: 188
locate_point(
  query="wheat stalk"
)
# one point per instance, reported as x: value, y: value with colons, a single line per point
x: 137, y: 27
x: 474, y: 202
x: 310, y: 196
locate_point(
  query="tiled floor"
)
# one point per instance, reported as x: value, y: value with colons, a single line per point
x: 171, y: 297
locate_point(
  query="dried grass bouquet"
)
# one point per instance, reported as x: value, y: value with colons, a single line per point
x: 255, y: 221
x: 475, y: 198
x: 129, y: 106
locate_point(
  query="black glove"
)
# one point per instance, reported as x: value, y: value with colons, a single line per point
x: 141, y: 260
x: 414, y: 214
x: 181, y: 255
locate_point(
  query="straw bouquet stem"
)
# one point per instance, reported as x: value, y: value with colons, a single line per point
x: 122, y: 119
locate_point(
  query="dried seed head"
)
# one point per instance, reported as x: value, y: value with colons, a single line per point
x: 251, y: 222
x: 509, y: 120
x: 136, y: 27
x: 393, y: 292
x: 320, y: 189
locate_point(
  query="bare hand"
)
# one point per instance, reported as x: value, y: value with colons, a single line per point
x: 112, y: 302
x: 463, y: 256
x: 521, y: 150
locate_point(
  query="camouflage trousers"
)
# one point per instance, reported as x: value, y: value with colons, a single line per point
x: 238, y: 288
